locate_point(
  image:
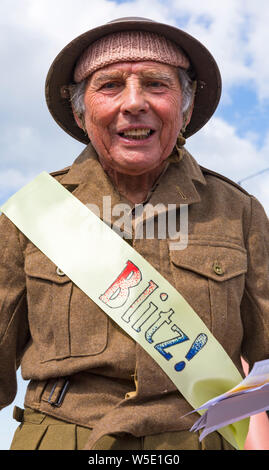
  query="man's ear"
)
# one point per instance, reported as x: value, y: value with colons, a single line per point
x: 78, y: 119
x: 187, y: 116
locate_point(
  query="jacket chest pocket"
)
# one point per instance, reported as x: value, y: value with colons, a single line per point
x: 63, y: 321
x: 211, y: 279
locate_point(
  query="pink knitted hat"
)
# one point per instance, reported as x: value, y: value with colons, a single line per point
x: 128, y: 46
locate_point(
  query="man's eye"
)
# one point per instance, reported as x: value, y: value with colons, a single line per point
x: 110, y: 85
x: 155, y: 84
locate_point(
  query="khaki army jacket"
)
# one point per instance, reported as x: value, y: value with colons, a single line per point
x: 82, y: 367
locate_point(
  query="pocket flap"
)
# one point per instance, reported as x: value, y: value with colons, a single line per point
x: 38, y: 265
x: 219, y: 263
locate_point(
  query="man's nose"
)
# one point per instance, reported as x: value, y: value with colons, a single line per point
x: 134, y: 100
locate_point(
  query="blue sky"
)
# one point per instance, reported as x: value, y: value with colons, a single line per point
x: 235, y: 142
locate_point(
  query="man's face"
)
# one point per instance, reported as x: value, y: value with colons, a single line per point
x: 133, y: 115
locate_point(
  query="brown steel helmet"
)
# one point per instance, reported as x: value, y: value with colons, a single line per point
x: 203, y: 69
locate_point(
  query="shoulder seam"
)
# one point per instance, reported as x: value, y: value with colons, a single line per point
x: 224, y: 178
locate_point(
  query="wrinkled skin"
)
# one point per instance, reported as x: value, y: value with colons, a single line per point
x: 129, y: 95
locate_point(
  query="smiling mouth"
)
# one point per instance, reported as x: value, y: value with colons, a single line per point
x: 137, y: 134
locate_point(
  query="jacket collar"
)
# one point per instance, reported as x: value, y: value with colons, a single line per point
x: 87, y: 180
x: 175, y: 186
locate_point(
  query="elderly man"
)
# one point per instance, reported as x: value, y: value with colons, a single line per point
x: 132, y: 90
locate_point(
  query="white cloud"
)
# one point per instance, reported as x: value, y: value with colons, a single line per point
x: 59, y: 22
x: 218, y: 147
x: 258, y: 39
x: 235, y: 32
x: 11, y: 180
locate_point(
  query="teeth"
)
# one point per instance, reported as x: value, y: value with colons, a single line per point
x: 137, y: 133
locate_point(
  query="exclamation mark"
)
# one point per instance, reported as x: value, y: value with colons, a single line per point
x: 196, y: 346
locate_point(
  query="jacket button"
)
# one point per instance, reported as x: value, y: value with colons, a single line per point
x: 60, y: 272
x: 218, y: 269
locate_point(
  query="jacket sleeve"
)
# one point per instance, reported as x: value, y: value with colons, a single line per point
x: 14, y: 331
x: 255, y: 302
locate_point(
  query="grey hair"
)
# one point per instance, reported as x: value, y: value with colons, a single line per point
x: 187, y: 89
x: 77, y: 92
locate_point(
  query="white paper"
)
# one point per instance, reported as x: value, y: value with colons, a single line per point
x: 251, y: 396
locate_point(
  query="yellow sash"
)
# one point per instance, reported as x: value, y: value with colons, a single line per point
x: 128, y: 289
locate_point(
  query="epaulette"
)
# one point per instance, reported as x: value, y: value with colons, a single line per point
x: 224, y: 178
x: 60, y: 172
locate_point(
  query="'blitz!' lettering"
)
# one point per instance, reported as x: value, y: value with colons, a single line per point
x: 117, y: 294
x: 142, y: 313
